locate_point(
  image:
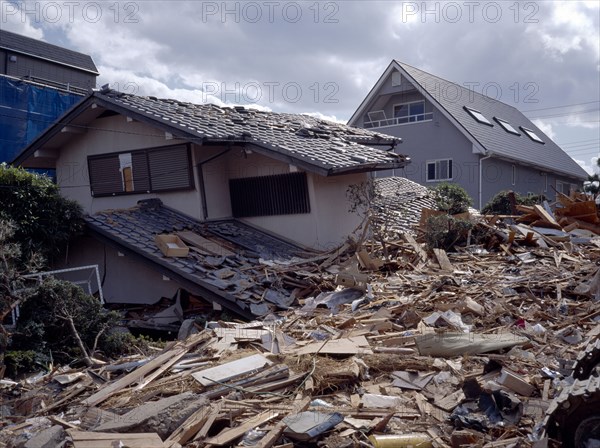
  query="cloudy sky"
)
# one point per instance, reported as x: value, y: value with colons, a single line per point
x: 323, y: 57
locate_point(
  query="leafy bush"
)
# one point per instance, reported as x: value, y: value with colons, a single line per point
x: 451, y: 198
x: 22, y: 361
x: 500, y: 203
x: 44, y: 220
x: 61, y: 319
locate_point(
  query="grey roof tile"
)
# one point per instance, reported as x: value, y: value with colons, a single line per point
x: 27, y: 45
x: 328, y: 145
x: 135, y: 228
x: 494, y: 138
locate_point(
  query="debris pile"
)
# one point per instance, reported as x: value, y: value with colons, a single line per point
x: 414, y: 347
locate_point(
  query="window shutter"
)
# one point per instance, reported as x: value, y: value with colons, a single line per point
x: 282, y: 194
x: 105, y: 177
x: 170, y: 168
x: 141, y: 175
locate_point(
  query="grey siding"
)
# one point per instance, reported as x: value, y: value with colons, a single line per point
x: 498, y: 176
x: 432, y: 140
x: 439, y: 138
x: 31, y: 66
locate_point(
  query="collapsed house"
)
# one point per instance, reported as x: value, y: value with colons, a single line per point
x: 492, y: 345
x: 237, y: 185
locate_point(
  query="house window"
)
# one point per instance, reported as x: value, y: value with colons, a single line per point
x: 281, y: 194
x: 565, y: 187
x: 141, y: 171
x: 532, y: 135
x: 409, y: 112
x: 506, y: 126
x: 545, y: 182
x: 478, y: 116
x: 439, y: 170
x: 514, y: 175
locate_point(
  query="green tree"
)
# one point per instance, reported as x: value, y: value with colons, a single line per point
x: 43, y: 220
x: 451, y: 198
x: 60, y: 318
x: 36, y: 223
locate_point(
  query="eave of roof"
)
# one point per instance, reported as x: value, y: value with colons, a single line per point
x: 384, y: 160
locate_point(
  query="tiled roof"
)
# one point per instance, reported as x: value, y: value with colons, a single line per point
x: 398, y: 203
x: 27, y: 45
x: 240, y: 280
x: 495, y: 139
x: 330, y: 147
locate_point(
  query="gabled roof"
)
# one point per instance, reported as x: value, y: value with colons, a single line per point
x: 451, y: 99
x: 234, y: 277
x: 316, y: 145
x: 43, y: 50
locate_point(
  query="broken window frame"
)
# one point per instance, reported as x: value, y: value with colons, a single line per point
x: 145, y: 168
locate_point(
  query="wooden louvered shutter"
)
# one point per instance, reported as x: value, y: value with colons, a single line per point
x: 141, y: 175
x: 282, y: 194
x: 170, y: 168
x: 105, y: 177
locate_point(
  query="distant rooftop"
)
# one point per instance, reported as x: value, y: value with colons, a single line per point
x: 43, y: 50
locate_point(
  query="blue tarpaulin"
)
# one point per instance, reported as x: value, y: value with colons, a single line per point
x: 25, y: 111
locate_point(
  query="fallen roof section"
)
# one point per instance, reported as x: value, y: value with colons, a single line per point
x: 398, y: 203
x: 230, y: 270
x: 324, y: 147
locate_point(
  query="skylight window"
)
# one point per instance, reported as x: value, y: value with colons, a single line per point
x: 478, y: 116
x: 532, y: 135
x: 506, y: 126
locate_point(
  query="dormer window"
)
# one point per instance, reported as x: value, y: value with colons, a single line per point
x: 506, y: 126
x: 532, y: 135
x: 478, y: 116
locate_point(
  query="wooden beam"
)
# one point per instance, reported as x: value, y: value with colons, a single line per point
x: 229, y: 435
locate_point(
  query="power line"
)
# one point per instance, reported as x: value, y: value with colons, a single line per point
x: 560, y: 107
x: 565, y: 114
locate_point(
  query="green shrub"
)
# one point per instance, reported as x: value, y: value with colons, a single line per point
x: 24, y: 361
x: 451, y: 198
x: 44, y: 220
x: 44, y: 324
x: 500, y: 203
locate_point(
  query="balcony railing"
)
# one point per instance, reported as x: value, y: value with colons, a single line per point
x: 427, y: 116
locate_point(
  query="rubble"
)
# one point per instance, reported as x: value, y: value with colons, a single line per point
x: 430, y: 347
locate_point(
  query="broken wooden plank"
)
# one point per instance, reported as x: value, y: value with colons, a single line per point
x: 345, y: 346
x: 85, y: 439
x: 546, y: 217
x: 207, y: 245
x: 442, y: 258
x: 228, y: 435
x: 141, y: 372
x: 271, y: 437
x: 224, y: 372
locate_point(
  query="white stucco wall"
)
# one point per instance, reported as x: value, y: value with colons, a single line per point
x: 107, y: 135
x: 328, y: 222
